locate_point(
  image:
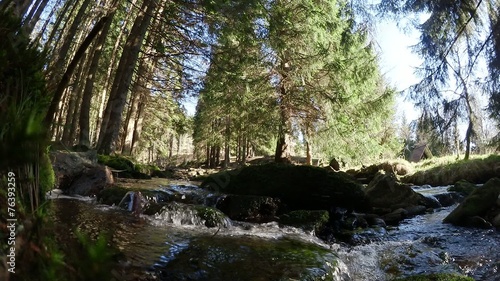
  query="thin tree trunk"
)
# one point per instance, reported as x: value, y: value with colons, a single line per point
x: 34, y: 17
x: 138, y: 125
x: 282, y: 152
x: 227, y: 150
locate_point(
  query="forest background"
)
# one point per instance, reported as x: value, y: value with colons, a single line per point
x: 277, y: 78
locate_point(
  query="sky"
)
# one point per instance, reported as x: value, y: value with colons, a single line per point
x: 397, y: 62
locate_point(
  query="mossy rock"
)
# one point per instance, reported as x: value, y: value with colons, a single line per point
x: 299, y: 187
x: 463, y: 187
x: 249, y: 208
x: 247, y: 258
x: 212, y: 216
x: 437, y: 277
x: 478, y: 203
x: 306, y: 219
x: 116, y: 162
x: 112, y: 195
x: 385, y: 191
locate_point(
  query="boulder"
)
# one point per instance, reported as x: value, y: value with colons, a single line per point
x: 306, y: 219
x: 496, y: 221
x: 481, y: 201
x: 91, y: 181
x: 79, y: 173
x: 385, y: 191
x: 463, y: 187
x: 249, y: 208
x: 298, y: 187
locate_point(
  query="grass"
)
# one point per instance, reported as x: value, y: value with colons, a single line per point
x: 448, y: 170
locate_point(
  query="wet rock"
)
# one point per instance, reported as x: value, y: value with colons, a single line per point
x: 79, y: 173
x: 496, y: 221
x: 246, y: 258
x: 298, y: 187
x: 375, y: 220
x: 249, y: 208
x: 463, y: 187
x: 384, y: 191
x: 481, y: 201
x: 415, y: 210
x: 395, y: 217
x: 91, y: 181
x: 477, y: 222
x: 306, y: 219
x: 449, y: 198
x: 187, y: 214
x: 334, y: 164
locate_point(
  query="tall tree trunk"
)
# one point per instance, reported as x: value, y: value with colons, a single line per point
x: 123, y: 77
x: 35, y: 14
x: 62, y: 53
x: 84, y: 138
x: 139, y: 92
x: 71, y: 67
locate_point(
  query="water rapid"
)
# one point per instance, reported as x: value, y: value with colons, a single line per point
x: 175, y: 244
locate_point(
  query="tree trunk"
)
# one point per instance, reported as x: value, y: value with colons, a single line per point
x: 282, y: 153
x: 138, y: 125
x: 35, y: 14
x: 227, y: 151
x: 84, y: 138
x: 69, y: 71
x: 62, y: 53
x: 308, y: 153
x: 123, y: 77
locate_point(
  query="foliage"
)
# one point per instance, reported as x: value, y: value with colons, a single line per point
x: 456, y: 38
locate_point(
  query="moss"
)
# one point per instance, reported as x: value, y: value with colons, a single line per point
x: 307, y: 220
x: 46, y: 175
x: 112, y: 195
x: 211, y: 216
x: 464, y: 187
x: 116, y: 162
x: 437, y: 277
x: 476, y: 204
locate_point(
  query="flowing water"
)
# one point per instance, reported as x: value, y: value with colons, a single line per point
x: 162, y: 248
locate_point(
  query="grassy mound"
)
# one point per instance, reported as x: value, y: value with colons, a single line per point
x: 448, y: 170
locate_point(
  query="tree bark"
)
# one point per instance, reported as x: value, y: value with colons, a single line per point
x: 123, y: 77
x: 84, y: 122
x: 69, y: 71
x: 282, y: 153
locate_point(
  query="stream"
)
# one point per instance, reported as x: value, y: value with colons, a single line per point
x: 177, y: 246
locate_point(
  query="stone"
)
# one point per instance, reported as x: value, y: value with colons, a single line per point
x: 478, y: 203
x: 306, y: 219
x: 463, y: 187
x: 496, y: 221
x: 298, y: 187
x: 385, y: 191
x: 91, y: 181
x: 249, y: 208
x: 79, y: 173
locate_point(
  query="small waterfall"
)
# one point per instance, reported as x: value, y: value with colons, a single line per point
x: 186, y: 214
